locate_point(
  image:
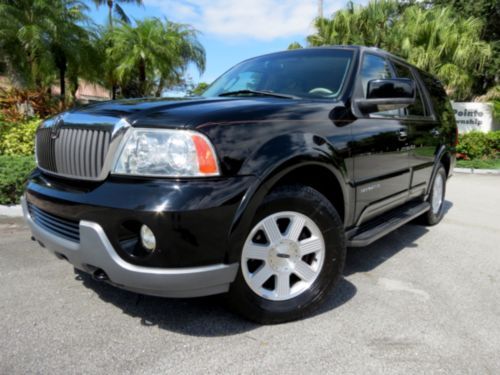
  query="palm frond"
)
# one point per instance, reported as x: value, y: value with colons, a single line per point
x: 120, y: 13
x: 435, y: 39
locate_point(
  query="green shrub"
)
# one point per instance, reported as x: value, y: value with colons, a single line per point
x: 496, y: 110
x: 478, y: 145
x: 14, y: 170
x: 18, y: 138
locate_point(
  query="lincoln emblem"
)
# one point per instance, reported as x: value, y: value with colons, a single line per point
x: 54, y: 133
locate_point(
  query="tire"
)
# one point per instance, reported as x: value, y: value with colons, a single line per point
x: 436, y: 198
x: 302, y: 271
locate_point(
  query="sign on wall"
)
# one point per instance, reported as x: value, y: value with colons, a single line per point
x: 473, y: 116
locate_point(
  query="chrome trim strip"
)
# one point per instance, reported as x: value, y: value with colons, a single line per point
x: 381, y: 206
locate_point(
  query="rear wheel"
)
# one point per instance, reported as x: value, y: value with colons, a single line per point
x: 436, y: 198
x: 292, y: 257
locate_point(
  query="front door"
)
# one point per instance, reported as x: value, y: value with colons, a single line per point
x: 380, y: 150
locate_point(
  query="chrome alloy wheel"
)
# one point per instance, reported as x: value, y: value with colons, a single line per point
x: 437, y: 194
x: 283, y: 256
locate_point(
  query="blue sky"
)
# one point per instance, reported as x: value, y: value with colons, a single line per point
x: 234, y: 30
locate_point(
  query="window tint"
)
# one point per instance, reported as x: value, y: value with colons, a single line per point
x: 418, y: 108
x: 437, y: 94
x: 440, y: 102
x: 374, y: 67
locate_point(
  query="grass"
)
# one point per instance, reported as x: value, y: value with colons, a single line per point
x: 479, y: 164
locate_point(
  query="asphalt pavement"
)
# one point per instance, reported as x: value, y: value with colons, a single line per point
x: 421, y: 300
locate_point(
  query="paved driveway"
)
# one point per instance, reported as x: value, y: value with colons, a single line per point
x: 421, y: 300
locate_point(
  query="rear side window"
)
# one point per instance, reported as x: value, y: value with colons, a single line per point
x: 439, y: 100
x: 436, y: 92
x: 441, y: 105
x: 417, y: 109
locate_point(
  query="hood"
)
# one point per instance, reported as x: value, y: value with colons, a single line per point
x: 180, y: 113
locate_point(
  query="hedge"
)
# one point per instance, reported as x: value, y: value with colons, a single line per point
x: 18, y: 138
x: 14, y: 170
x: 478, y: 145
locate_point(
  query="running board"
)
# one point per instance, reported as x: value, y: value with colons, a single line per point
x: 382, y: 225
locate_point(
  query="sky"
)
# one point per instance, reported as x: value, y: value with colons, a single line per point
x: 234, y: 30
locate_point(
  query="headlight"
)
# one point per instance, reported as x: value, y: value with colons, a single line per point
x: 166, y: 153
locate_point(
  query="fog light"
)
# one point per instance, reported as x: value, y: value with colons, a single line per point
x: 148, y: 239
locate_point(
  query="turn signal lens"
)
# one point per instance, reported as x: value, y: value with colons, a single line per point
x: 206, y: 159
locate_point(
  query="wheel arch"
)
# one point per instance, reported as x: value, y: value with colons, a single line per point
x: 301, y: 169
x: 443, y: 156
x: 320, y: 178
x: 446, y: 161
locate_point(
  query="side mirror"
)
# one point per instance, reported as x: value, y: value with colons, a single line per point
x: 387, y: 94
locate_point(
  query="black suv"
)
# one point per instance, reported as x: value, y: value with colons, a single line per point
x: 254, y: 189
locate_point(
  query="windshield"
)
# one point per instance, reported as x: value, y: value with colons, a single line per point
x: 311, y: 73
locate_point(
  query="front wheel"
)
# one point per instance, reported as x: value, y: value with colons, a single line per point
x: 293, y: 255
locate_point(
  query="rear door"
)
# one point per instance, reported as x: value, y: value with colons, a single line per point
x: 379, y: 148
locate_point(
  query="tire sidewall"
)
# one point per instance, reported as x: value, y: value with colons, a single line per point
x: 434, y: 218
x: 307, y: 202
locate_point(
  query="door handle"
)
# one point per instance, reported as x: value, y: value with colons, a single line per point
x: 402, y: 135
x: 435, y: 132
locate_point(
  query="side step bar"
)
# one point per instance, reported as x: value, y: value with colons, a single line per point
x: 379, y: 227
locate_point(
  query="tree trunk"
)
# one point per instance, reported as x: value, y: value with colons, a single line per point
x: 161, y: 86
x: 74, y: 88
x: 110, y: 13
x: 320, y: 9
x: 62, y: 83
x: 142, y: 77
x: 114, y: 86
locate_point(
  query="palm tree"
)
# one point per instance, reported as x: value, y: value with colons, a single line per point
x: 155, y: 53
x: 114, y: 6
x: 294, y: 45
x: 434, y: 39
x: 23, y: 45
x: 364, y: 25
x: 69, y: 42
x: 441, y: 43
x: 41, y: 40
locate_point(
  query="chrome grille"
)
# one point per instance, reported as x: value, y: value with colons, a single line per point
x: 68, y: 229
x: 76, y: 152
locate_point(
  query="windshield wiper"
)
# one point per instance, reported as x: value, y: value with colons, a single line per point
x: 256, y: 92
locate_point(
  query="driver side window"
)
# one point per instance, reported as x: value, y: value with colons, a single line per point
x: 376, y: 67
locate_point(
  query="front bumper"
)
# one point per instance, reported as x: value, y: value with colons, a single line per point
x: 193, y: 221
x: 95, y: 252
